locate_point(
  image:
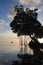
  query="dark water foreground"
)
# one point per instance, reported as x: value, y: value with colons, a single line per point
x: 12, y: 59
x: 27, y: 59
x: 7, y: 58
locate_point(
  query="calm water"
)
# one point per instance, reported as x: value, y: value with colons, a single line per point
x: 7, y: 58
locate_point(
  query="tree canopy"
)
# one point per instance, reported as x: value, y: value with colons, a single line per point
x: 25, y: 22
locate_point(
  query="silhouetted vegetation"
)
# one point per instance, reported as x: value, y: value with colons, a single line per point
x: 25, y: 23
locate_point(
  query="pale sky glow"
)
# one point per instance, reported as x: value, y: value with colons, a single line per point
x: 6, y: 39
x: 6, y: 16
x: 32, y: 2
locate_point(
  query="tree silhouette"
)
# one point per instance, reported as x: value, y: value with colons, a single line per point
x: 25, y: 22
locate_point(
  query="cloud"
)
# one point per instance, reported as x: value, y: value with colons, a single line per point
x: 40, y: 9
x: 12, y: 12
x: 11, y: 15
x: 31, y: 2
x: 2, y: 22
x: 3, y: 25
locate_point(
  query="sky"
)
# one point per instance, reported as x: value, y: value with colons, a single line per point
x: 7, y: 14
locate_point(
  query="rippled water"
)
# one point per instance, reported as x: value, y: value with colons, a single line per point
x: 7, y: 58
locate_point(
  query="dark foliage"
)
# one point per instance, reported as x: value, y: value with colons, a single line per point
x: 25, y: 23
